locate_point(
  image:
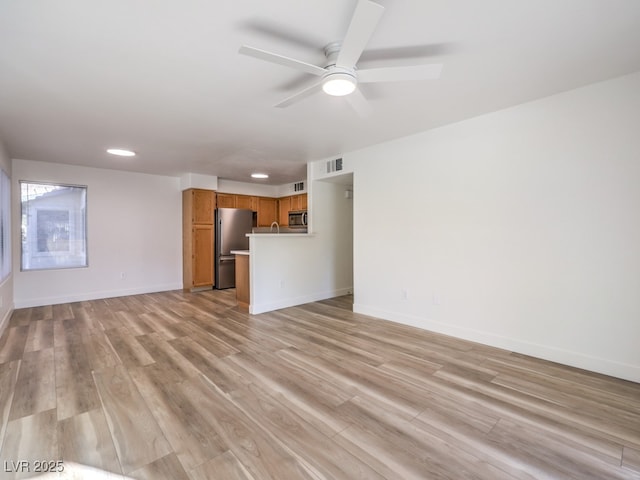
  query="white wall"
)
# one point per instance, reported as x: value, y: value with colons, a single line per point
x: 196, y: 180
x: 258, y: 189
x: 134, y: 227
x: 519, y: 229
x: 6, y: 287
x: 290, y: 270
x: 245, y: 188
x: 289, y: 188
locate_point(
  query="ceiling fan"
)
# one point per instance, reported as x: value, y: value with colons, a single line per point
x: 340, y: 76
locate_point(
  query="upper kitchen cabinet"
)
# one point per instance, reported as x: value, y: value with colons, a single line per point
x: 267, y: 211
x: 303, y: 201
x: 299, y: 202
x: 248, y: 202
x: 233, y: 200
x: 201, y: 205
x: 226, y: 200
x: 284, y: 209
x: 197, y: 238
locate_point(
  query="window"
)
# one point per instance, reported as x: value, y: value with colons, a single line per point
x: 53, y: 226
x: 5, y: 226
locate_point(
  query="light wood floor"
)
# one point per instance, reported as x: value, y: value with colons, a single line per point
x: 184, y: 386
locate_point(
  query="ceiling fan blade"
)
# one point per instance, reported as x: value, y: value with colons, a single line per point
x: 363, y: 23
x: 307, y: 92
x: 400, y: 74
x: 281, y: 60
x: 359, y: 103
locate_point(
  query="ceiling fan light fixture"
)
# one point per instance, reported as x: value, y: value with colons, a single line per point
x: 339, y: 84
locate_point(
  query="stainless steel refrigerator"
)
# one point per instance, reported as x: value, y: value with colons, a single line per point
x: 232, y: 226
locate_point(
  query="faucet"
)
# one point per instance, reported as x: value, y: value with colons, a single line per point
x: 277, y: 226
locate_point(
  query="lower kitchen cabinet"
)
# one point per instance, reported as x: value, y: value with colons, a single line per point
x: 242, y: 281
x: 202, y: 256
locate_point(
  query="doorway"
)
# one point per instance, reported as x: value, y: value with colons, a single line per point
x: 338, y: 213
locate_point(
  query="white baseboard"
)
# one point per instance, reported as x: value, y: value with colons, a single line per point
x: 38, y: 302
x: 293, y: 301
x: 565, y: 357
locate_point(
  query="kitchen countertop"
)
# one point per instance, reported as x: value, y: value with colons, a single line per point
x: 280, y: 230
x: 240, y: 252
x: 280, y: 235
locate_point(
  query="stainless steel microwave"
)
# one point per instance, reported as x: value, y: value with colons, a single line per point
x: 297, y: 219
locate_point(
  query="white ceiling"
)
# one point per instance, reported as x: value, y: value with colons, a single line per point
x: 164, y: 77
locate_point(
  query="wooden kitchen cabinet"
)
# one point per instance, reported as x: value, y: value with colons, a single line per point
x: 202, y: 275
x: 243, y: 284
x: 232, y: 200
x: 202, y: 205
x: 298, y: 202
x: 197, y: 238
x: 226, y: 200
x: 267, y: 211
x: 247, y: 201
x: 302, y: 201
x: 294, y: 202
x: 284, y: 208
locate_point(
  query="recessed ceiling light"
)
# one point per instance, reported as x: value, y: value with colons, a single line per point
x: 120, y: 152
x: 259, y: 175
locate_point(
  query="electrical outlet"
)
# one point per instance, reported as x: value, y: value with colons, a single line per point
x: 123, y: 275
x: 281, y: 283
x: 404, y: 294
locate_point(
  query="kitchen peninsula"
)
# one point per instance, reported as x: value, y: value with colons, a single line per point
x: 244, y: 287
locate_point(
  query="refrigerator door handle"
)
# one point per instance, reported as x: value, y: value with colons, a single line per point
x: 220, y: 235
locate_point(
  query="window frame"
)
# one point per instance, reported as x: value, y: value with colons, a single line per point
x: 6, y: 260
x: 82, y: 216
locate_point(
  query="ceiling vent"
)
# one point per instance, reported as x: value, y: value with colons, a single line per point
x: 298, y: 187
x: 334, y: 165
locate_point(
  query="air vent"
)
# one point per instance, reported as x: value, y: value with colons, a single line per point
x: 334, y: 165
x: 298, y: 187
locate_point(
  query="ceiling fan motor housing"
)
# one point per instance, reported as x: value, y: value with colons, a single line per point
x: 331, y: 51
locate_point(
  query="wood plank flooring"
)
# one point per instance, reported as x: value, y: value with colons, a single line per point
x: 180, y: 385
